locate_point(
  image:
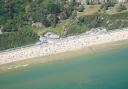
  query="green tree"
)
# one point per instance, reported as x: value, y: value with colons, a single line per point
x: 52, y: 18
x: 81, y: 8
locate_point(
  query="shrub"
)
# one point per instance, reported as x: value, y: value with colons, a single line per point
x: 110, y: 22
x: 88, y: 2
x: 81, y: 8
x: 63, y: 16
x: 74, y: 15
x: 121, y: 7
x: 107, y: 5
x: 92, y: 21
x: 17, y: 39
x: 45, y: 22
x: 76, y: 29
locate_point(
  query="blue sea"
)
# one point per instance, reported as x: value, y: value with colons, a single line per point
x: 103, y: 70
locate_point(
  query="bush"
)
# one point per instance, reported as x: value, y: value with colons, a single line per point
x: 119, y: 16
x: 74, y: 15
x: 45, y: 22
x: 85, y: 23
x: 107, y: 5
x: 81, y: 8
x: 76, y: 29
x: 104, y: 7
x: 121, y: 7
x: 63, y: 16
x: 17, y: 39
x: 88, y: 2
x: 92, y: 21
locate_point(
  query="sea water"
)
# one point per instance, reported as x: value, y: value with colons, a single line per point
x: 106, y: 70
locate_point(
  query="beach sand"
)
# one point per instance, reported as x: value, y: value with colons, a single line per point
x: 66, y: 46
x: 89, y: 51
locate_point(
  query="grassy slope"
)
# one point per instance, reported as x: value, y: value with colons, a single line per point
x: 112, y: 10
x: 59, y: 29
x: 89, y: 10
x: 92, y: 9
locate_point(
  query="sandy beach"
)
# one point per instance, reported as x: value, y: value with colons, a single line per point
x: 62, y: 45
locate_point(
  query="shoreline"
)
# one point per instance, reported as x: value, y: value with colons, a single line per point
x: 65, y: 56
x: 72, y: 43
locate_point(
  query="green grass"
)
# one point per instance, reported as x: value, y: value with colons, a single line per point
x: 89, y: 10
x: 112, y: 10
x: 92, y: 9
x: 59, y: 29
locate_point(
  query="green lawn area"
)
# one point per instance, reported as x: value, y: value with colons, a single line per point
x: 89, y: 9
x: 92, y: 9
x: 112, y: 10
x: 59, y: 29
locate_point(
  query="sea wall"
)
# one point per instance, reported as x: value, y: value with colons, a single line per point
x: 62, y: 45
